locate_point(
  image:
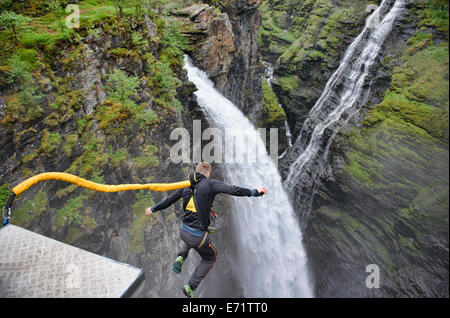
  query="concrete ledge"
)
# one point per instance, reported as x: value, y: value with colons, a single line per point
x: 35, y: 266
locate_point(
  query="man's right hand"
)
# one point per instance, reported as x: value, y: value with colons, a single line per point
x: 262, y: 190
x: 148, y: 211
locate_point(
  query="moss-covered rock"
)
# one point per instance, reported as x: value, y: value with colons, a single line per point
x: 387, y: 203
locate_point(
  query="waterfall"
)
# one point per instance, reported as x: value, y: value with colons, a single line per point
x: 271, y: 261
x: 344, y: 94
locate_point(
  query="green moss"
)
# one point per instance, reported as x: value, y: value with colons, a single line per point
x: 419, y: 41
x: 70, y: 142
x: 288, y: 83
x: 5, y: 193
x: 50, y: 142
x: 274, y: 115
x: 30, y: 209
x: 317, y: 55
x: 434, y: 13
x: 419, y: 92
x: 30, y: 157
x: 118, y: 158
x: 92, y: 160
x: 65, y: 191
x: 123, y: 52
x: 143, y: 162
x: 82, y: 123
x: 355, y: 170
x: 70, y: 212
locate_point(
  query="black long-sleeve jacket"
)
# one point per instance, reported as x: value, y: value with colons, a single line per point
x: 205, y: 192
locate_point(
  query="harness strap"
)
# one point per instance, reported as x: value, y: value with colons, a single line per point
x: 203, y: 240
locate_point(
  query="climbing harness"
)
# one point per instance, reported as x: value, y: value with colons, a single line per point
x: 212, y: 224
x: 62, y: 176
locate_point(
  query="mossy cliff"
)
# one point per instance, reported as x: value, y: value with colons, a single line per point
x: 384, y: 200
x: 98, y: 101
x: 304, y: 41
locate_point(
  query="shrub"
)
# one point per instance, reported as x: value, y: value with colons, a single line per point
x: 122, y: 87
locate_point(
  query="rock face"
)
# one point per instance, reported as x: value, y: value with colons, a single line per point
x: 82, y: 130
x: 224, y: 44
x: 212, y: 40
x: 79, y: 128
x: 305, y: 40
x: 383, y: 197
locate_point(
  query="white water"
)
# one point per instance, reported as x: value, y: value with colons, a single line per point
x: 351, y: 76
x: 271, y: 261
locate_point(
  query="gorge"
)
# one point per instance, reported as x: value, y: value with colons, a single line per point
x: 362, y: 118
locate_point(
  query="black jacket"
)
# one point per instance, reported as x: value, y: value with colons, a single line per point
x: 205, y: 192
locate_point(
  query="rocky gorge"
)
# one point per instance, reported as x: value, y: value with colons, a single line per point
x: 382, y: 197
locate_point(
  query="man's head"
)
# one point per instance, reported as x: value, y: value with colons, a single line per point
x: 204, y: 168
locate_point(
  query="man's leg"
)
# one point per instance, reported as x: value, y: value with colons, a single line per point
x: 183, y: 253
x: 209, y: 256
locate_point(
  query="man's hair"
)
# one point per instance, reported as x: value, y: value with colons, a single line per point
x: 203, y: 168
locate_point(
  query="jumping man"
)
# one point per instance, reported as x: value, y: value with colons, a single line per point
x: 197, y: 203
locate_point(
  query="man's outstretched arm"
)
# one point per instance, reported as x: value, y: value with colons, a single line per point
x: 164, y: 204
x: 220, y: 187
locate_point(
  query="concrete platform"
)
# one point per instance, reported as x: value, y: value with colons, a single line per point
x: 35, y: 266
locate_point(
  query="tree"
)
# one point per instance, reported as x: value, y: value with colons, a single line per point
x: 13, y: 21
x: 119, y: 5
x: 122, y: 86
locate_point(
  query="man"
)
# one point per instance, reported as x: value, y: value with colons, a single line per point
x: 197, y: 203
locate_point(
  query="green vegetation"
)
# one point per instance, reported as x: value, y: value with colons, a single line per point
x: 92, y: 160
x: 23, y: 106
x: 29, y: 157
x: 70, y: 142
x: 174, y: 43
x: 434, y: 13
x: 5, y: 192
x: 30, y: 209
x: 419, y: 91
x: 274, y: 115
x: 163, y: 82
x: 399, y: 156
x: 40, y: 63
x: 70, y: 212
x: 50, y: 142
x: 415, y: 109
x: 146, y: 161
x: 122, y: 87
x: 13, y: 21
x: 118, y: 158
x: 149, y: 159
x: 288, y: 83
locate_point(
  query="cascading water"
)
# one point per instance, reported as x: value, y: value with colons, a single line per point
x: 342, y: 97
x: 271, y: 261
